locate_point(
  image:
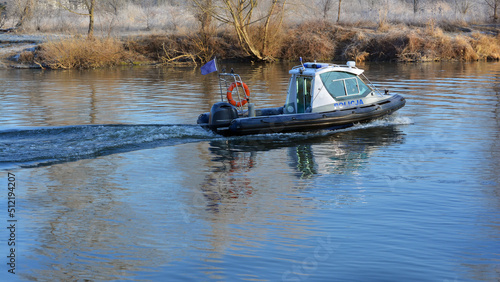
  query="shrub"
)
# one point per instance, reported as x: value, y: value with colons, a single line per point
x: 83, y: 53
x: 185, y: 48
x: 311, y: 41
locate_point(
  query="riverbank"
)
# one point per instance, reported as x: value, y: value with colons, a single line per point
x: 12, y: 45
x: 322, y: 41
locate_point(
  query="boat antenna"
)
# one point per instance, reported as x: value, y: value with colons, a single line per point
x: 303, y: 68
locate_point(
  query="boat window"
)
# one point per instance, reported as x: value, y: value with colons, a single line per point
x: 303, y: 93
x: 342, y: 84
x: 290, y: 97
x: 351, y: 86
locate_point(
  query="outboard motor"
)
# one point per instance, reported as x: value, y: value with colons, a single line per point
x: 221, y: 115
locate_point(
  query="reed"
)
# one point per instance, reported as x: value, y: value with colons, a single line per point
x: 486, y: 47
x: 83, y: 53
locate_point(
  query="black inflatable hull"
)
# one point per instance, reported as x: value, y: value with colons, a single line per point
x: 273, y: 121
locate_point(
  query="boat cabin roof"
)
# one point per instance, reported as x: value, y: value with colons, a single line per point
x: 312, y: 69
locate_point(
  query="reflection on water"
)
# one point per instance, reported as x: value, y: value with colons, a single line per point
x: 406, y: 198
x: 101, y: 217
x: 327, y: 152
x: 343, y: 153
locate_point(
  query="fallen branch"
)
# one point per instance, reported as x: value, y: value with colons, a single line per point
x: 175, y: 60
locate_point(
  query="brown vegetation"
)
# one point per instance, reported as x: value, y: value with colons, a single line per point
x: 325, y: 41
x: 185, y: 48
x: 83, y: 53
x: 312, y: 41
x: 322, y: 41
x: 195, y: 31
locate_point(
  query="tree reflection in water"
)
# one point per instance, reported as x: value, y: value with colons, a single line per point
x: 228, y: 179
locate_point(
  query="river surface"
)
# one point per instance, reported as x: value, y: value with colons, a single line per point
x: 114, y: 181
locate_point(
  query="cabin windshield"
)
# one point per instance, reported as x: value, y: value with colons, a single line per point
x: 344, y: 85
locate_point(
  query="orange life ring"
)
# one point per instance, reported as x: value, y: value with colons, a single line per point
x: 230, y: 94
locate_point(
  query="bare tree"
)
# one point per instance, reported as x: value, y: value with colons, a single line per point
x: 338, y: 14
x: 112, y: 6
x: 150, y: 12
x: 463, y: 6
x: 204, y: 39
x: 240, y: 14
x: 494, y: 4
x: 204, y: 16
x: 90, y: 6
x: 25, y: 12
x: 3, y: 14
x: 325, y: 6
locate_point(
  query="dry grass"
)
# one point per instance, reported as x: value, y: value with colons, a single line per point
x: 427, y: 43
x: 26, y: 57
x: 313, y: 41
x: 435, y: 45
x: 486, y: 47
x: 83, y: 53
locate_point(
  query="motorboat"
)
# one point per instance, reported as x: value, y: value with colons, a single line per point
x: 321, y: 96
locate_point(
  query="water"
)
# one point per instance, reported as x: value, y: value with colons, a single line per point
x: 115, y: 182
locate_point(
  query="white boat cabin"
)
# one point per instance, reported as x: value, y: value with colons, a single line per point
x: 322, y: 87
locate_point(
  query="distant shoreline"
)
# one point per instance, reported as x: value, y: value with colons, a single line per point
x: 322, y: 41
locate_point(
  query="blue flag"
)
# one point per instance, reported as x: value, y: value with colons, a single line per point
x: 209, y: 67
